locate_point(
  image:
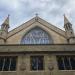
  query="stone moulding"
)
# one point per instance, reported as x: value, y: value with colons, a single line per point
x: 38, y: 48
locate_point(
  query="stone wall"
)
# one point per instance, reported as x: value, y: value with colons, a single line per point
x: 23, y: 65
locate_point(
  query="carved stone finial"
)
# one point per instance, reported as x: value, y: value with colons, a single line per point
x: 6, y: 22
x: 36, y: 14
x: 66, y: 20
x: 36, y: 18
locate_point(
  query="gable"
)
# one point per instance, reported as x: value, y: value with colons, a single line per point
x: 17, y: 34
x: 41, y: 21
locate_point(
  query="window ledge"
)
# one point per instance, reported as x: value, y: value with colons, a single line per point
x: 67, y: 70
x: 8, y: 71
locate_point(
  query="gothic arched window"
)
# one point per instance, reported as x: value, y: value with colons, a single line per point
x: 36, y: 36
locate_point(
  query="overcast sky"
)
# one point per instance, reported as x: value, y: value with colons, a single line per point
x: 50, y: 10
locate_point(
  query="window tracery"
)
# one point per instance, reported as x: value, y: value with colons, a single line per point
x: 36, y: 36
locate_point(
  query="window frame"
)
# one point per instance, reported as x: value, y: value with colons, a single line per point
x: 30, y: 38
x: 10, y: 57
x: 69, y: 61
x: 33, y: 56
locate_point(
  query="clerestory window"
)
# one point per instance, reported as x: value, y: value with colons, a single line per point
x: 37, y: 63
x: 8, y: 63
x: 66, y: 62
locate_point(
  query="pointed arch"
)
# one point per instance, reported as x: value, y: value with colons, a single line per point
x: 36, y: 35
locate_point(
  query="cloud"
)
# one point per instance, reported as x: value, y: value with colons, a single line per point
x: 50, y: 10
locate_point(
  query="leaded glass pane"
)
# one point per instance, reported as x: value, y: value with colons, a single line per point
x: 1, y: 63
x: 37, y: 62
x: 7, y: 63
x: 60, y: 63
x: 72, y: 59
x: 66, y: 62
x: 13, y: 64
x: 36, y: 36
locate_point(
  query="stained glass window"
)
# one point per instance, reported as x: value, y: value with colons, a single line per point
x: 36, y: 36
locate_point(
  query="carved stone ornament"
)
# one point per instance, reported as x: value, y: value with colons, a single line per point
x: 50, y: 67
x: 23, y: 67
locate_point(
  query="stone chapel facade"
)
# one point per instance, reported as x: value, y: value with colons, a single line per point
x: 37, y: 48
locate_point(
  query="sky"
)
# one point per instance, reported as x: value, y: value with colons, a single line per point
x: 52, y: 11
